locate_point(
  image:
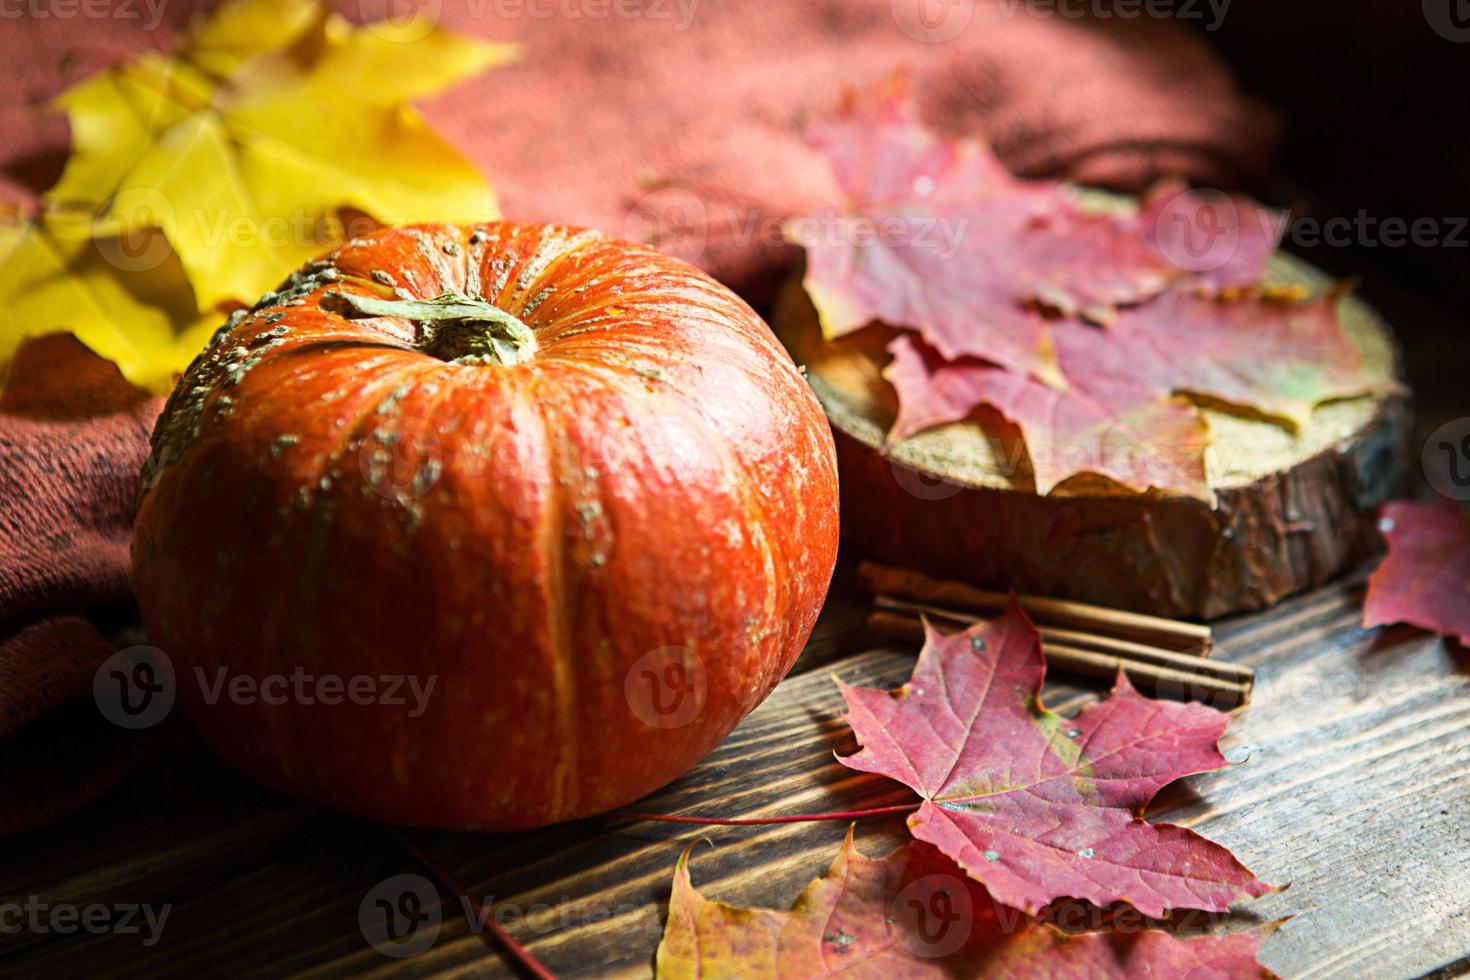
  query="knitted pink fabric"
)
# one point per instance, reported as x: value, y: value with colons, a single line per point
x: 73, y: 436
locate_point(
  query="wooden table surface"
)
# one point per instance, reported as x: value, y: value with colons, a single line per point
x: 1354, y: 788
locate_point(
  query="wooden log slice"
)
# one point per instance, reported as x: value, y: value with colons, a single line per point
x: 958, y: 500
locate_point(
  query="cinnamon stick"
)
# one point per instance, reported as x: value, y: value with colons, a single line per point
x: 1077, y: 639
x: 1154, y: 631
x: 1152, y: 678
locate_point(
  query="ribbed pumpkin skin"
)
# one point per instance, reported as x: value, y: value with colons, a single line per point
x: 657, y: 474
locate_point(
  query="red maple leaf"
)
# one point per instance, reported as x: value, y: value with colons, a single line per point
x: 939, y: 241
x: 915, y: 914
x: 1120, y: 414
x: 1425, y: 580
x: 1037, y: 807
x: 1220, y: 239
x: 937, y: 235
x: 1116, y: 424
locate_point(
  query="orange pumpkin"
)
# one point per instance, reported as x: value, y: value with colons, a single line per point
x: 569, y: 491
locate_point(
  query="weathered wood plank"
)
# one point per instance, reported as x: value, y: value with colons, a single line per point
x: 293, y: 910
x: 1355, y: 791
x: 1359, y: 768
x: 174, y: 828
x: 589, y: 903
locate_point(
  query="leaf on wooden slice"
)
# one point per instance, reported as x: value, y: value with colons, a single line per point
x: 1037, y: 807
x: 126, y: 298
x: 1425, y: 580
x: 938, y: 239
x: 936, y: 236
x: 915, y: 913
x: 1262, y: 351
x: 1265, y: 350
x: 269, y: 119
x: 1115, y: 424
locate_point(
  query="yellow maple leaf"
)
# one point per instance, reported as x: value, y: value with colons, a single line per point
x: 272, y: 116
x: 237, y: 32
x: 126, y: 299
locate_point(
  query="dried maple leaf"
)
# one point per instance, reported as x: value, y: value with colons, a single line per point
x: 962, y: 255
x: 1120, y: 416
x: 1425, y: 580
x: 126, y: 299
x: 915, y: 914
x: 937, y: 236
x: 1037, y: 807
x: 1264, y: 350
x: 1114, y: 423
x: 270, y: 117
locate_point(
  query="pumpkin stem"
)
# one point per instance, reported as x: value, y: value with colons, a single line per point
x: 452, y: 327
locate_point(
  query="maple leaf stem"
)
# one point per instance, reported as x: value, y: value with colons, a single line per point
x: 508, y: 945
x: 877, y: 811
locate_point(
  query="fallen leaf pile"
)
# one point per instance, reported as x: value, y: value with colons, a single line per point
x: 1022, y: 809
x: 1097, y: 332
x: 197, y: 182
x: 1425, y: 580
x: 914, y: 913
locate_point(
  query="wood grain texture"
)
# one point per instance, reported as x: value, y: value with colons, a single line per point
x: 1355, y: 791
